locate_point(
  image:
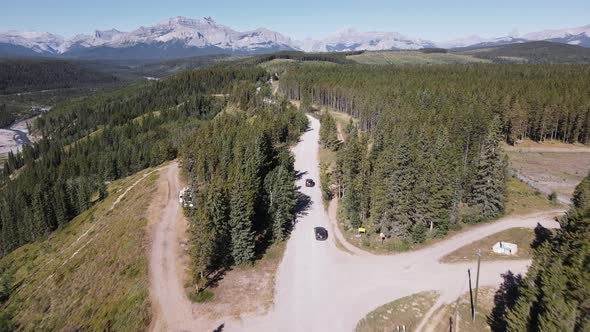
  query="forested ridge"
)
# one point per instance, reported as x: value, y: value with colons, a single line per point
x: 100, y: 139
x: 425, y: 153
x: 24, y: 75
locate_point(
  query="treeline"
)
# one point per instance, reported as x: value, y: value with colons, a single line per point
x: 242, y: 172
x: 553, y: 296
x: 17, y: 75
x: 426, y: 151
x: 89, y: 142
x: 534, y: 101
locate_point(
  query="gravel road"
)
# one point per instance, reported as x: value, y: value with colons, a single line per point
x: 320, y: 287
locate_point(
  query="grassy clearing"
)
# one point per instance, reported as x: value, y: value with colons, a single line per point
x: 523, y: 237
x: 406, y: 311
x: 92, y: 282
x: 277, y: 65
x: 445, y: 316
x: 244, y: 289
x: 281, y: 65
x: 413, y: 58
x: 522, y: 199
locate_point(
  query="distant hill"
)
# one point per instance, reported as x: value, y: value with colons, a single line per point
x: 536, y: 52
x: 26, y: 75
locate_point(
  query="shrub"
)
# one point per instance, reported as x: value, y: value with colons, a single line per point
x: 200, y: 297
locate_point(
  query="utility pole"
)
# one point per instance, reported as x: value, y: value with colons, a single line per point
x: 476, y: 283
x: 457, y: 314
x: 470, y: 292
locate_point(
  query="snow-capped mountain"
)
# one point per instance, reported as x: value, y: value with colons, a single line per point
x: 477, y: 41
x: 182, y: 37
x: 574, y: 36
x: 353, y: 40
x: 38, y: 42
x: 173, y: 37
x: 85, y: 41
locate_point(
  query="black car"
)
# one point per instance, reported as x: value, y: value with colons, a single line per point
x: 309, y: 183
x: 321, y: 233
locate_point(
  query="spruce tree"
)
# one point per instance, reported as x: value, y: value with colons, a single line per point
x: 488, y: 192
x: 241, y: 222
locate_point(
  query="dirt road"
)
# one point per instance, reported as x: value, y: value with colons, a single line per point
x: 320, y: 287
x: 173, y: 311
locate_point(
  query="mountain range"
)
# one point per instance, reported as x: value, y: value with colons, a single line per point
x: 182, y: 37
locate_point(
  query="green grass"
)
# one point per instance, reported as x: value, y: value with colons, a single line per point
x: 413, y: 58
x: 522, y: 199
x: 406, y: 311
x: 523, y: 237
x: 92, y: 282
x: 200, y: 297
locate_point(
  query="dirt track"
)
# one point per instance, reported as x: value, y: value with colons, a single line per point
x: 319, y: 287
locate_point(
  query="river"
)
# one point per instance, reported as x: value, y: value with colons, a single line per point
x: 14, y: 136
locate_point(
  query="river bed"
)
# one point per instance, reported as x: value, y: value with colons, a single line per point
x: 13, y: 137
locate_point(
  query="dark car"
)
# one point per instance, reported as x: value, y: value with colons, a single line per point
x: 321, y: 233
x: 309, y: 183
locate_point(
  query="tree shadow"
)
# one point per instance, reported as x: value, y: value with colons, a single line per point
x: 299, y: 174
x: 542, y: 235
x: 220, y: 328
x: 214, y: 277
x: 302, y: 203
x: 504, y: 300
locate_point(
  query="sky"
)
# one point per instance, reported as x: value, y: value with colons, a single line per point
x: 427, y: 19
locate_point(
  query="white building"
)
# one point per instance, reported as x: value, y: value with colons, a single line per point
x: 505, y: 248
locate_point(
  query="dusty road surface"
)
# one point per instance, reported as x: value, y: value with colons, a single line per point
x: 318, y: 286
x: 173, y: 311
x: 321, y: 288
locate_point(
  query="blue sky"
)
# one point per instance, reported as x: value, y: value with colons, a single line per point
x: 427, y: 19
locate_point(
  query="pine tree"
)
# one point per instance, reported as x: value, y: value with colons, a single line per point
x: 488, y: 192
x: 216, y: 205
x: 201, y: 239
x: 241, y: 222
x: 281, y: 195
x: 328, y: 132
x: 581, y: 196
x: 556, y: 313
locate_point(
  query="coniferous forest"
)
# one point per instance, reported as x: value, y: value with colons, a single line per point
x: 426, y: 151
x: 88, y: 142
x: 422, y: 154
x: 242, y: 171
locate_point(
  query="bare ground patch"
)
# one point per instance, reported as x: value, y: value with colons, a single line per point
x: 244, y: 290
x: 449, y: 317
x: 407, y: 311
x: 550, y: 166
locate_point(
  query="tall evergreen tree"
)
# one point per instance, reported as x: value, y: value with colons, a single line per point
x: 489, y: 188
x: 241, y: 221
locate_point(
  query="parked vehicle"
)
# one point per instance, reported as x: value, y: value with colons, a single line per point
x: 309, y: 183
x: 321, y: 234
